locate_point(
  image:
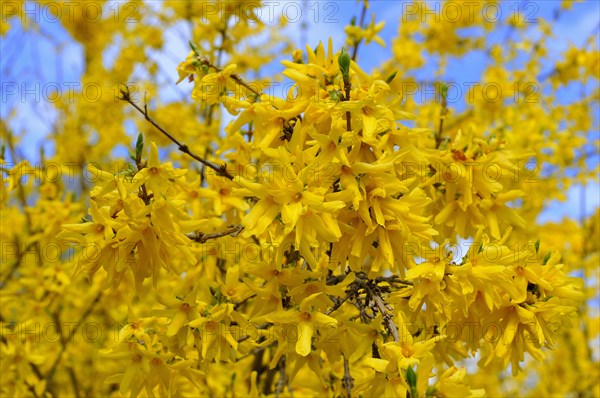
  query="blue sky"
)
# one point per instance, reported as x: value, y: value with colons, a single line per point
x: 30, y: 61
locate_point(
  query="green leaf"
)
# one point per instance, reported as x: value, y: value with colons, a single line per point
x: 537, y: 246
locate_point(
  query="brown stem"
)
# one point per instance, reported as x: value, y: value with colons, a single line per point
x: 357, y: 43
x: 236, y: 78
x: 200, y: 237
x: 347, y: 87
x: 143, y: 191
x: 443, y: 113
x: 33, y: 366
x: 337, y: 305
x: 261, y: 326
x: 221, y: 170
x: 347, y: 381
x: 64, y: 342
x: 387, y: 318
x: 282, y: 377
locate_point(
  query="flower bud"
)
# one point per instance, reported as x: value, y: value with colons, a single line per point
x: 344, y: 63
x: 411, y: 377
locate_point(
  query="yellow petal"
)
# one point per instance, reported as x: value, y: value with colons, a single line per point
x: 303, y: 345
x: 177, y: 323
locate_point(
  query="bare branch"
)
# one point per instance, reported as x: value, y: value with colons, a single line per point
x: 221, y: 170
x: 387, y: 317
x: 361, y: 23
x: 347, y: 381
x: 282, y: 377
x: 200, y: 237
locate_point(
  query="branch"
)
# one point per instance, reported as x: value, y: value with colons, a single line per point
x: 387, y: 318
x: 261, y: 326
x: 393, y: 279
x: 361, y: 23
x: 362, y: 277
x: 221, y: 170
x: 64, y: 342
x: 200, y: 237
x: 443, y: 113
x: 33, y: 366
x: 282, y: 377
x: 347, y: 381
x: 361, y: 281
x: 338, y: 304
x: 236, y: 78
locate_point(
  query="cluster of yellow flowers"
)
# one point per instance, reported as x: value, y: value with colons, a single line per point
x: 337, y: 240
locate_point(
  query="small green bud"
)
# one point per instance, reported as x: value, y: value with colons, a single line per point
x: 431, y: 390
x: 344, y: 63
x: 546, y: 258
x: 194, y: 48
x: 411, y: 377
x: 444, y: 91
x: 139, y: 146
x: 537, y: 246
x: 391, y: 77
x: 334, y: 95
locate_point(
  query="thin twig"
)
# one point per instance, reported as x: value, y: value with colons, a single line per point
x: 347, y: 88
x: 362, y: 21
x: 387, y: 318
x: 347, y: 381
x: 204, y: 61
x: 200, y: 237
x: 342, y: 301
x: 443, y: 113
x: 33, y: 366
x: 221, y: 170
x: 138, y: 163
x: 65, y: 341
x: 246, y: 337
x: 282, y: 377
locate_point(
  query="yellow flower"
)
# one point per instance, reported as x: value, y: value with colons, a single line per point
x: 307, y: 320
x: 370, y: 33
x: 157, y: 177
x: 187, y: 67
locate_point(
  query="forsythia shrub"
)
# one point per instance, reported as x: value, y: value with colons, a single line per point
x: 339, y: 240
